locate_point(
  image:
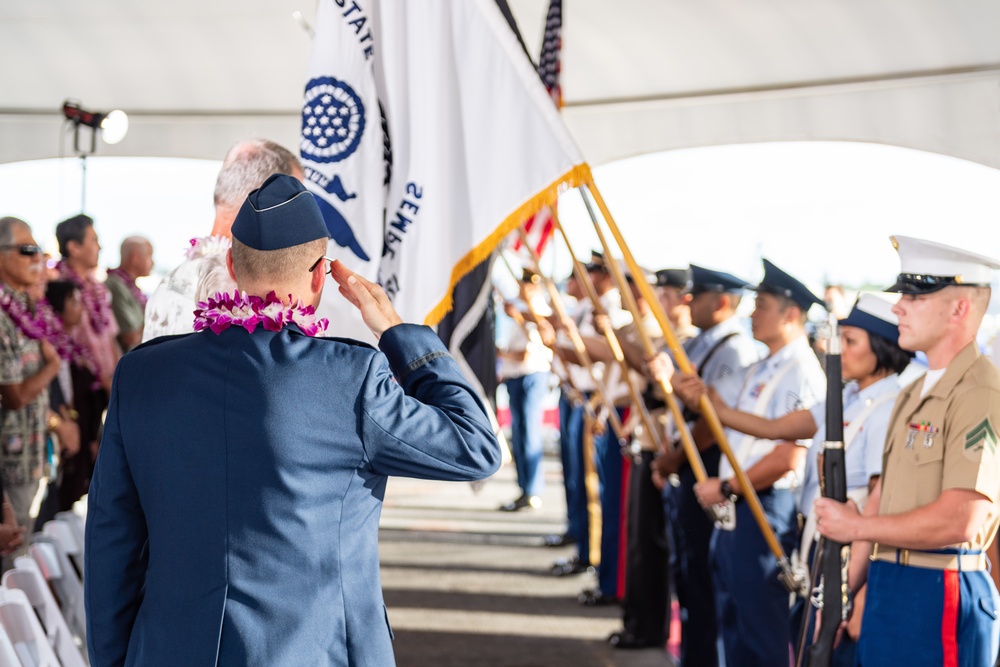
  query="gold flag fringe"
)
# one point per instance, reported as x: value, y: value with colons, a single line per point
x: 548, y: 196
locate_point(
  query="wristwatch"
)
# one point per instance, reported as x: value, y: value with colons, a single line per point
x: 726, y: 489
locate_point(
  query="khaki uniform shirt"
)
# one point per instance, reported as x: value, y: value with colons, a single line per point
x: 945, y: 440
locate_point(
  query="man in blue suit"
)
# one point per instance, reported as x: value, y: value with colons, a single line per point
x: 233, y: 514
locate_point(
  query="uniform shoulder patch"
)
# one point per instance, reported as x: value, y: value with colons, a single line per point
x: 981, y: 436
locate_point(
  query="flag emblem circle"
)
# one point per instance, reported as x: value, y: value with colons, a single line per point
x: 333, y: 120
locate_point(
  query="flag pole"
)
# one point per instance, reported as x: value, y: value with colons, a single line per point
x: 687, y: 442
x: 792, y: 580
x: 581, y: 352
x: 591, y: 482
x: 609, y: 334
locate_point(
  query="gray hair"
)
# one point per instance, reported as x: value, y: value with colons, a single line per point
x: 247, y: 165
x: 7, y: 228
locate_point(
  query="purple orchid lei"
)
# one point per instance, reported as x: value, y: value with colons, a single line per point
x: 43, y: 323
x: 238, y: 309
x: 94, y: 296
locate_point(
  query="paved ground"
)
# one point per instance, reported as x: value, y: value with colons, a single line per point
x: 467, y: 585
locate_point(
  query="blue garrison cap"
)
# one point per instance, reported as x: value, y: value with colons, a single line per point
x: 281, y: 213
x: 707, y: 280
x: 679, y: 278
x: 778, y: 282
x: 874, y: 315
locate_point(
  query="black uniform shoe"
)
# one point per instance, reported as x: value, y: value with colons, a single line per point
x: 593, y: 597
x: 558, y: 540
x: 627, y: 640
x: 567, y: 566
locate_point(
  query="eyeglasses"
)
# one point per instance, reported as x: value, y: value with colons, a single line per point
x: 329, y: 267
x: 27, y: 249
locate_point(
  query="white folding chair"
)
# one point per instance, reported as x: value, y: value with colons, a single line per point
x: 29, y: 580
x: 54, y: 566
x: 78, y: 525
x: 8, y: 654
x: 62, y: 533
x: 24, y: 631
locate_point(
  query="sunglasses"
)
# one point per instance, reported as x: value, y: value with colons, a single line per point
x: 27, y: 249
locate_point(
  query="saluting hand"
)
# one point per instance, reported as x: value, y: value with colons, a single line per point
x: 376, y: 309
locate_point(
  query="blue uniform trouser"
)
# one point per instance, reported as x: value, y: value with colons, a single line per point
x: 690, y: 530
x: 751, y: 603
x: 526, y: 396
x: 571, y: 453
x: 609, y: 470
x: 905, y: 612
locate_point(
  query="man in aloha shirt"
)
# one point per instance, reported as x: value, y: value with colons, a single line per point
x: 27, y: 367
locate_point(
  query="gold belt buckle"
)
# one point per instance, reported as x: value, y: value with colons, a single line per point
x: 903, y: 556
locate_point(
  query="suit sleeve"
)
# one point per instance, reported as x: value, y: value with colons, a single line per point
x: 427, y: 422
x: 116, y: 541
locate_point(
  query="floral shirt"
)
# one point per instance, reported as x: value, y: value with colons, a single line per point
x: 22, y: 432
x: 202, y: 275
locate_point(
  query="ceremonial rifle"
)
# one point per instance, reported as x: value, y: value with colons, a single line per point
x: 791, y: 579
x: 831, y: 593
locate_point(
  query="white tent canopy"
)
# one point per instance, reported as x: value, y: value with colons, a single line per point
x: 639, y: 76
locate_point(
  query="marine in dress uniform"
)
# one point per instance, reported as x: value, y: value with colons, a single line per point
x: 722, y: 349
x: 233, y: 515
x: 752, y: 606
x: 930, y: 599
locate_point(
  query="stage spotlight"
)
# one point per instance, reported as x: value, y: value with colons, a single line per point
x: 113, y: 125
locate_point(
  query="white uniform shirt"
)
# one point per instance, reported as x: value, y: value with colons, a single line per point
x: 730, y: 358
x: 611, y: 302
x: 863, y: 458
x: 799, y: 388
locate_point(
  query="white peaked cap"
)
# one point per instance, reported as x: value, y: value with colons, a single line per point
x: 926, y: 266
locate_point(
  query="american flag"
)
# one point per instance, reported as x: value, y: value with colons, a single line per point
x: 540, y: 227
x: 549, y: 63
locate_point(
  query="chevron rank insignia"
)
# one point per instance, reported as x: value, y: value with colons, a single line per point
x: 981, y: 436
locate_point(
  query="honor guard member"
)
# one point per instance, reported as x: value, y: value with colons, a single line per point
x: 587, y: 533
x: 233, y: 514
x: 646, y: 600
x: 871, y: 362
x: 930, y: 599
x: 721, y: 350
x: 751, y: 603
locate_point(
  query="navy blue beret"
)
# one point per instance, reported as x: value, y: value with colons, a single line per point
x: 281, y: 213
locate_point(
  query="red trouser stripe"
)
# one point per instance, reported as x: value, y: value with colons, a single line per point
x: 949, y: 619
